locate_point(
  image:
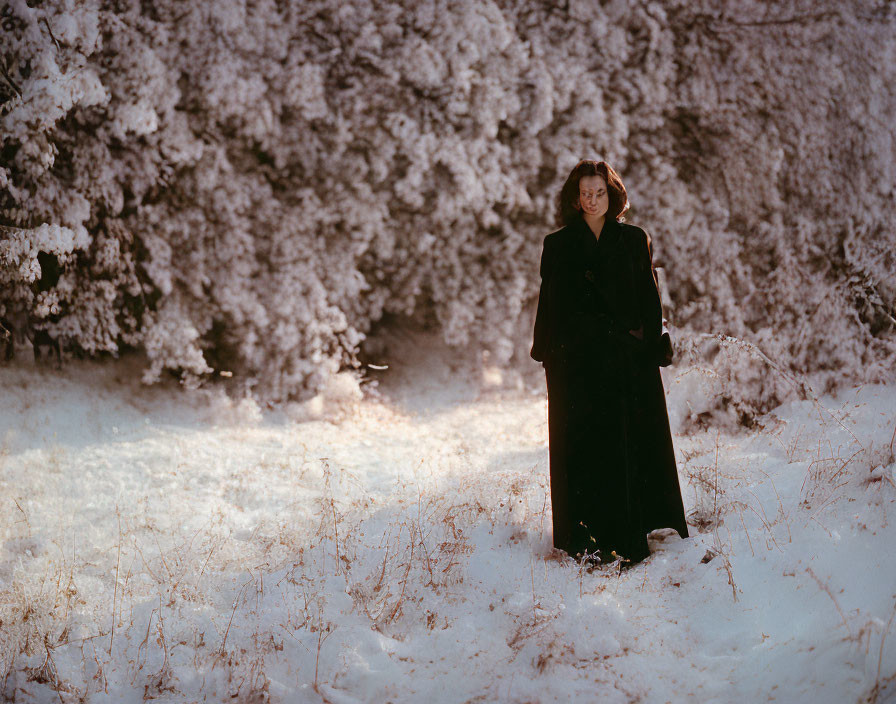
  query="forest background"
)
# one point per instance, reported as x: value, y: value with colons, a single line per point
x: 272, y: 188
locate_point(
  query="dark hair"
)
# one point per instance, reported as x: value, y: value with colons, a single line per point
x: 569, y: 194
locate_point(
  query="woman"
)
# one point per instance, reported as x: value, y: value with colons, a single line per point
x: 597, y: 332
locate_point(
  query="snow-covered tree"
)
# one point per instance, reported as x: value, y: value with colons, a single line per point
x: 253, y: 186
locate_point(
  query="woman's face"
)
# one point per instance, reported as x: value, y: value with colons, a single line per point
x: 593, y: 198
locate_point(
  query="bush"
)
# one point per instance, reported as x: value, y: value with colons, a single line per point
x: 251, y: 187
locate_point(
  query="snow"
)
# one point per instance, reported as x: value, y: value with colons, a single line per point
x: 400, y: 551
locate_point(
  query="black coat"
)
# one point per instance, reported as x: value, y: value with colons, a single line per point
x: 613, y: 474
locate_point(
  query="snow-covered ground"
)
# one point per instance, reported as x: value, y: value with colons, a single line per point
x: 158, y: 544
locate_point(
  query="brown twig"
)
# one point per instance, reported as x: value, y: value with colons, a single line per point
x: 780, y: 504
x: 404, y: 581
x: 534, y: 611
x: 24, y: 515
x: 115, y: 590
x: 716, y: 482
x: 55, y: 671
x: 763, y: 518
x: 321, y: 639
x: 883, y: 638
x: 205, y: 564
x: 750, y: 542
x: 727, y: 563
x: 829, y: 500
x: 143, y: 645
x: 236, y: 603
x: 827, y: 590
x: 892, y: 441
x: 52, y: 36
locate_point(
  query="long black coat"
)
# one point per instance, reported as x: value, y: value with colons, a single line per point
x: 613, y: 474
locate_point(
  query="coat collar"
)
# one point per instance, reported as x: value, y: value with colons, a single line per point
x: 611, y: 230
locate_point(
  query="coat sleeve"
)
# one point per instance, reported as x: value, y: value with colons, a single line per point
x: 649, y: 303
x: 541, y: 337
